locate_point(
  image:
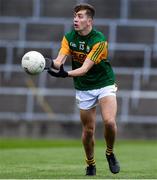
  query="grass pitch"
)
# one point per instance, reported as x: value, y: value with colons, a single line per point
x: 64, y: 159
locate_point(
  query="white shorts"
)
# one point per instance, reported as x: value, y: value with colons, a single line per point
x: 89, y: 99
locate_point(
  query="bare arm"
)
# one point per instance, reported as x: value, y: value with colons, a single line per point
x: 87, y: 65
x: 82, y: 70
x: 59, y: 60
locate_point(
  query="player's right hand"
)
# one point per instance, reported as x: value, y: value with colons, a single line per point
x: 49, y: 63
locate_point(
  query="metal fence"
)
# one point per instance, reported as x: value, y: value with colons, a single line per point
x: 133, y: 95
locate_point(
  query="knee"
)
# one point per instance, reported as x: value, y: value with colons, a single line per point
x: 110, y: 124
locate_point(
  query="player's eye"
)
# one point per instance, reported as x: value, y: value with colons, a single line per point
x: 80, y: 16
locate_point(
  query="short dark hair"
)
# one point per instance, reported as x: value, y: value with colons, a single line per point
x: 90, y: 11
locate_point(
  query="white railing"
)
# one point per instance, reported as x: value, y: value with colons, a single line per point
x: 55, y: 46
x: 29, y: 114
x: 127, y: 97
x: 134, y: 94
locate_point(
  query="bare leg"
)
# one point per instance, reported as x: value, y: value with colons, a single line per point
x: 109, y: 109
x: 88, y: 121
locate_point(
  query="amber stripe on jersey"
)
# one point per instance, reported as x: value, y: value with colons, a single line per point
x: 65, y: 50
x: 99, y: 50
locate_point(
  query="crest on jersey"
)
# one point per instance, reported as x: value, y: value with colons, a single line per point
x: 73, y: 44
x: 81, y: 45
x: 87, y: 49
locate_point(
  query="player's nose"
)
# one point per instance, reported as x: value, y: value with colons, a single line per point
x: 76, y: 19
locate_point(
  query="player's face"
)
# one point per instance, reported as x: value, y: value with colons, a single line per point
x: 81, y: 21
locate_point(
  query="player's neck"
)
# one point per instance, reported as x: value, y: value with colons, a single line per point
x: 85, y: 32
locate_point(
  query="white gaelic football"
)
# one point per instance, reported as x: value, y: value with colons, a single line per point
x: 33, y: 62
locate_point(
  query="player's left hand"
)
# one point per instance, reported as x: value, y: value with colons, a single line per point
x: 61, y: 73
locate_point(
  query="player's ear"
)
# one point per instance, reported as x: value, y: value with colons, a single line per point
x: 90, y: 21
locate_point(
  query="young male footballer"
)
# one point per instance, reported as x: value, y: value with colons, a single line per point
x: 93, y: 80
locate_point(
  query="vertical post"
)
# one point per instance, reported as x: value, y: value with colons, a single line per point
x: 9, y: 61
x: 147, y: 64
x: 124, y: 10
x: 36, y: 8
x: 136, y: 87
x: 29, y: 106
x: 124, y: 109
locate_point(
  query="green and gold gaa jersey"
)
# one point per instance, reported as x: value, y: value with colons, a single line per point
x: 94, y: 47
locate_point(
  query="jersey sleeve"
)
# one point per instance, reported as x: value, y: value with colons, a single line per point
x: 98, y: 52
x: 65, y: 50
